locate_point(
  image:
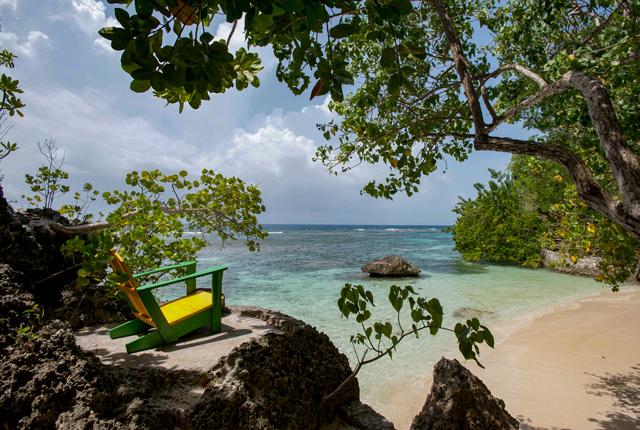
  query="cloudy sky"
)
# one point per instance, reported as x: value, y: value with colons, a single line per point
x: 76, y: 93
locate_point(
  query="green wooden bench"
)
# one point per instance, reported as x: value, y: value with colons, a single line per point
x: 165, y: 323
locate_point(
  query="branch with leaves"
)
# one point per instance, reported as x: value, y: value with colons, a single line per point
x: 381, y: 339
x: 149, y: 223
x: 10, y: 104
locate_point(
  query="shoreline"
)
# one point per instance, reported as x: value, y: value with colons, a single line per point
x: 574, y: 367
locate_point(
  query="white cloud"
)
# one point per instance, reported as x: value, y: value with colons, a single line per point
x: 102, y: 45
x: 99, y: 138
x: 90, y: 15
x: 36, y: 41
x: 263, y: 153
x: 13, y: 4
x: 94, y: 9
x: 238, y: 38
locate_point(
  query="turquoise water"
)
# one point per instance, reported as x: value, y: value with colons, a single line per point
x: 301, y: 269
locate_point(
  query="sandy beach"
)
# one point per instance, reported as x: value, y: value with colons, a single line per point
x: 577, y: 367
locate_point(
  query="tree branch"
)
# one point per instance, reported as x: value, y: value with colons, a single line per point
x: 461, y: 66
x: 599, y: 27
x: 88, y: 228
x: 485, y: 99
x: 589, y: 190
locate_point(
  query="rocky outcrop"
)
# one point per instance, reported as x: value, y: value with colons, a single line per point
x: 276, y: 382
x: 29, y: 247
x: 392, y: 265
x: 587, y: 266
x: 459, y: 400
x: 47, y: 381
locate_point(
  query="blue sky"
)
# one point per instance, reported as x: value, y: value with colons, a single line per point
x: 76, y: 93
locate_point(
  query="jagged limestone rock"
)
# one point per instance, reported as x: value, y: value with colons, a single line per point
x: 392, y: 265
x: 460, y: 401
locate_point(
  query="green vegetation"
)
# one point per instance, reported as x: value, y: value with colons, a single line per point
x: 47, y: 183
x: 497, y: 226
x: 381, y: 339
x: 10, y: 104
x: 149, y: 221
x: 426, y: 86
x: 533, y: 206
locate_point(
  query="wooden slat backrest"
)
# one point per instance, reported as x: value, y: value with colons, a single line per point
x: 129, y: 288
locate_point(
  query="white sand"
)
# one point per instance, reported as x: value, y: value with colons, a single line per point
x: 577, y: 367
x: 199, y: 350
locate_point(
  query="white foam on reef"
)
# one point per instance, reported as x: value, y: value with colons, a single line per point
x: 275, y: 232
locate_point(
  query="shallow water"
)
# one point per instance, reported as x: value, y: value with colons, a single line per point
x: 301, y: 269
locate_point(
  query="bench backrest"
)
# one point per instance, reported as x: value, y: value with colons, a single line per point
x: 129, y: 288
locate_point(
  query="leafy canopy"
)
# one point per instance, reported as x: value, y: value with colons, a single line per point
x: 497, y: 225
x: 149, y: 222
x: 534, y: 206
x: 190, y: 65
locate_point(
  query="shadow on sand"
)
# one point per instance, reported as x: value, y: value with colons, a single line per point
x: 624, y: 389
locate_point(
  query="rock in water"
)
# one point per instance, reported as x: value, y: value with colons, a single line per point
x: 459, y: 400
x: 390, y: 266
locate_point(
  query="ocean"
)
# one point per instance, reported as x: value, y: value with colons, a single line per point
x: 300, y: 270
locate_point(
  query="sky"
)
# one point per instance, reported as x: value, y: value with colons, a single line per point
x: 76, y: 93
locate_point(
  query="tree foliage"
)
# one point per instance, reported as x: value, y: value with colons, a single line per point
x: 10, y: 104
x: 497, y: 225
x: 539, y: 194
x: 382, y: 338
x: 427, y: 88
x: 47, y: 183
x: 149, y: 222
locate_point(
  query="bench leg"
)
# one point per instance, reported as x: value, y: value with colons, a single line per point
x: 127, y: 329
x: 150, y: 340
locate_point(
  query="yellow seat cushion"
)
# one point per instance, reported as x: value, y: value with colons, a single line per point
x: 186, y: 306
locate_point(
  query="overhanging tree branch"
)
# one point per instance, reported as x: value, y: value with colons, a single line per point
x: 89, y: 228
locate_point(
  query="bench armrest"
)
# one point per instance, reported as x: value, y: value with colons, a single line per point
x: 205, y: 272
x: 165, y: 268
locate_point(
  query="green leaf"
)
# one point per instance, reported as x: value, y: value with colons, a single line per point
x: 488, y: 337
x: 388, y: 58
x: 143, y: 8
x: 142, y: 75
x: 173, y: 75
x: 123, y: 17
x: 157, y: 81
x: 393, y: 85
x: 403, y: 7
x: 344, y: 77
x: 387, y: 329
x: 369, y: 296
x: 140, y: 86
x: 342, y: 30
x: 115, y: 33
